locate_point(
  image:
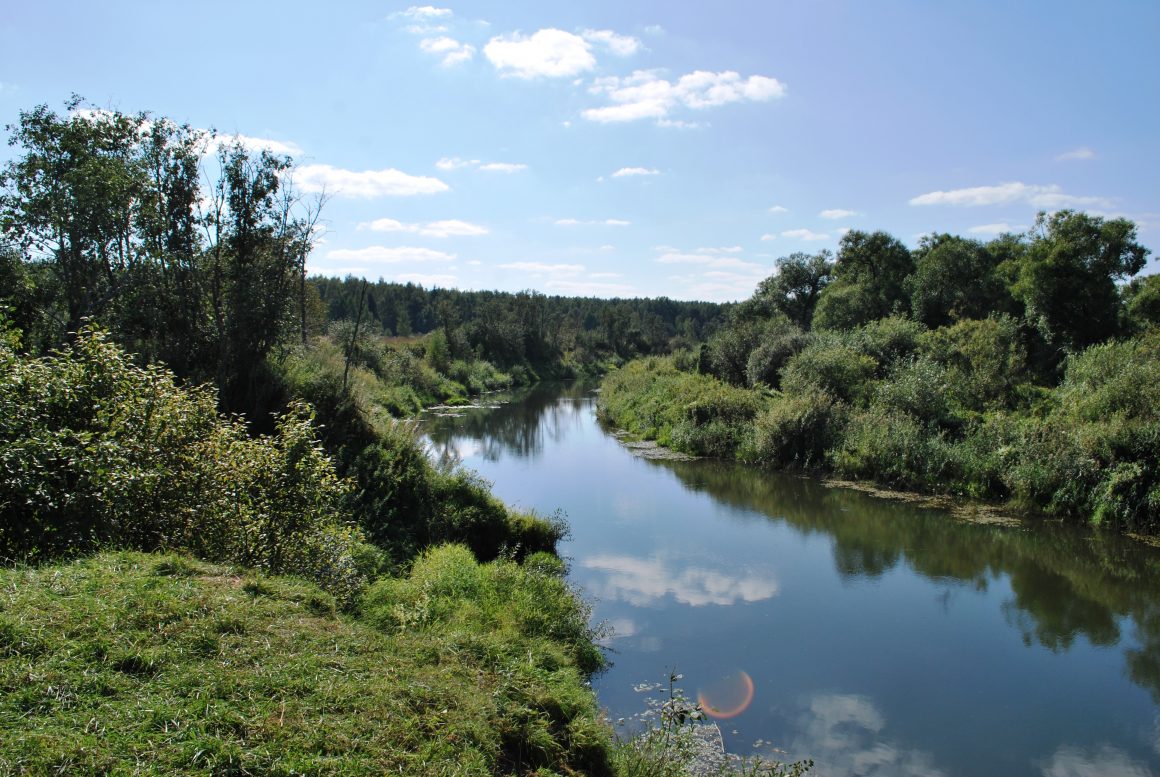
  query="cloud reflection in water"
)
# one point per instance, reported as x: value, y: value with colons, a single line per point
x: 644, y: 581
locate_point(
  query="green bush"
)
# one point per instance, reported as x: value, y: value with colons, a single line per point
x: 830, y: 366
x: 918, y: 388
x: 796, y: 431
x: 99, y: 452
x: 986, y: 361
x: 896, y: 449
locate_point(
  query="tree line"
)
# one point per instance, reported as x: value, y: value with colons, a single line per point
x: 1023, y: 369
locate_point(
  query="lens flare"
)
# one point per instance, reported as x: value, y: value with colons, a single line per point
x: 728, y: 697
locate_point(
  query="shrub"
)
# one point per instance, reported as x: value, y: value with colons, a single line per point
x: 830, y: 367
x: 985, y: 359
x: 896, y: 449
x: 99, y: 452
x: 765, y: 362
x: 918, y: 388
x: 796, y: 431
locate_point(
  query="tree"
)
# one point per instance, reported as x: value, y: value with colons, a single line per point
x: 799, y: 281
x: 954, y: 279
x: 868, y: 281
x: 1067, y: 277
x: 104, y: 210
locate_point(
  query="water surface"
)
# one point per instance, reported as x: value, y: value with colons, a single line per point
x: 875, y: 637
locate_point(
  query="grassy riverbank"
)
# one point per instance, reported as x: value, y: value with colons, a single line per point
x: 137, y: 663
x: 1083, y: 450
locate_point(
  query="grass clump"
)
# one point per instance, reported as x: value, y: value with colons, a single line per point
x: 143, y: 664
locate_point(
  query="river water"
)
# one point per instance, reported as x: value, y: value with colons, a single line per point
x: 873, y: 636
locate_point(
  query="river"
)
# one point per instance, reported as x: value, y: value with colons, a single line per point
x: 876, y: 637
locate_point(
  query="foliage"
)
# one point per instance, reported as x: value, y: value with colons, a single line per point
x: 830, y: 366
x: 868, y: 281
x: 795, y: 432
x: 99, y: 452
x: 999, y: 400
x: 1067, y: 276
x: 109, y: 214
x: 953, y: 279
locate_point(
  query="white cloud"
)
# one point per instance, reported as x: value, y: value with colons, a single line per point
x: 385, y: 255
x: 422, y: 12
x: 1038, y: 196
x: 503, y: 167
x: 767, y: 237
x: 388, y: 182
x: 707, y: 260
x: 445, y: 228
x: 654, y: 29
x: 453, y: 51
x: 841, y: 231
x: 626, y: 172
x: 620, y: 45
x: 645, y: 95
x: 253, y: 145
x: 549, y: 53
x: 455, y: 163
x: 605, y: 275
x: 543, y: 268
x: 1083, y: 152
x: 644, y: 581
x: 805, y: 234
x: 838, y: 213
x: 778, y: 209
x: 681, y: 124
x: 720, y: 250
x: 994, y: 229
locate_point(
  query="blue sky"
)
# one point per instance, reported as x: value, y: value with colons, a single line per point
x: 634, y: 149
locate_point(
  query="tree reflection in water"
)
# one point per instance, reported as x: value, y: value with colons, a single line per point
x: 1067, y: 582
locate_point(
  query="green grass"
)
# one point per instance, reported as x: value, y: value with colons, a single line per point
x: 128, y: 663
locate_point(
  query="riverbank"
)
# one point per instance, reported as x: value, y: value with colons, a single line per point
x: 1085, y: 452
x: 161, y: 664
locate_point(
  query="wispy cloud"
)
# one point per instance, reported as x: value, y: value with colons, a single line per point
x: 1050, y: 196
x: 547, y: 53
x: 620, y: 45
x: 253, y: 144
x: 455, y: 163
x: 805, y: 234
x: 779, y: 209
x: 445, y: 228
x: 452, y: 51
x: 645, y: 95
x: 425, y: 12
x: 385, y: 255
x: 838, y: 213
x: 1081, y: 153
x: 365, y: 184
x: 626, y: 172
x: 995, y: 229
x: 503, y: 167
